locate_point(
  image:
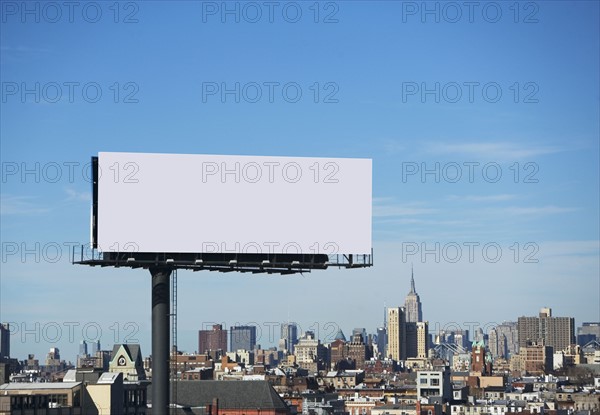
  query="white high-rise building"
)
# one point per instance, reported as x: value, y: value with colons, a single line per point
x: 422, y: 339
x: 396, y: 326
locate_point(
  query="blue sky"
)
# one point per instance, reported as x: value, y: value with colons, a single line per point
x: 368, y: 58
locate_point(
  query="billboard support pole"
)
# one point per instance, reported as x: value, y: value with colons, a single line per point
x: 160, y: 339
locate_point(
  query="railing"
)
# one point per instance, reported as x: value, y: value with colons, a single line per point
x: 250, y: 262
x: 351, y: 260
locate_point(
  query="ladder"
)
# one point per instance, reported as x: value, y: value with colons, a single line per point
x: 173, y: 372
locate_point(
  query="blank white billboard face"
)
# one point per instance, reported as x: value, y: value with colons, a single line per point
x: 193, y: 203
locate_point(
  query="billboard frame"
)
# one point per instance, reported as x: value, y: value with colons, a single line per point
x: 161, y: 266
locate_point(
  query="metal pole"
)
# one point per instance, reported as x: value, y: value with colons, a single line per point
x: 160, y: 339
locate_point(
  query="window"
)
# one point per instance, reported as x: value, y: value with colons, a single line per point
x: 435, y: 382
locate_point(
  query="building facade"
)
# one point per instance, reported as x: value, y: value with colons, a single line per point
x: 357, y: 351
x: 289, y: 337
x: 434, y: 383
x: 310, y: 353
x: 422, y: 339
x: 534, y: 359
x: 587, y: 333
x: 381, y: 342
x: 417, y: 339
x: 396, y: 325
x: 212, y: 340
x: 127, y: 359
x: 4, y: 340
x: 481, y: 362
x: 338, y: 352
x: 503, y: 340
x: 242, y: 338
x: 557, y: 332
x: 412, y: 303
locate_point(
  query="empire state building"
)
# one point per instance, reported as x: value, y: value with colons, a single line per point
x: 412, y: 303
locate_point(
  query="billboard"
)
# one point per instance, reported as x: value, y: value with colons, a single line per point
x: 196, y: 203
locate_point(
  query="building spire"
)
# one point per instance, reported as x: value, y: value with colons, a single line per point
x: 412, y: 280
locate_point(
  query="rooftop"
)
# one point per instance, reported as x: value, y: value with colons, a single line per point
x: 38, y: 386
x: 232, y: 394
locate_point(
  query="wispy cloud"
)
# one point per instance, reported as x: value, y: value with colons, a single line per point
x: 487, y: 198
x: 73, y: 195
x: 393, y: 147
x: 489, y: 150
x: 533, y: 210
x: 21, y: 205
x: 570, y: 248
x: 414, y: 221
x: 383, y: 208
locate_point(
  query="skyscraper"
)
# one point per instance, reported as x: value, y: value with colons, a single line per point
x: 410, y: 333
x: 83, y: 348
x: 503, y: 340
x: 242, y: 338
x: 417, y: 339
x: 414, y: 314
x: 215, y: 339
x: 396, y: 325
x: 497, y: 343
x: 289, y: 337
x: 558, y: 332
x: 93, y: 347
x: 422, y: 339
x: 4, y: 340
x: 412, y: 303
x: 381, y: 341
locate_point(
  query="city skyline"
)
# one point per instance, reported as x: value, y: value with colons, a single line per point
x: 483, y: 136
x: 267, y: 334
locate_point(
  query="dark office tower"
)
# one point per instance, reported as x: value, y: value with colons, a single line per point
x: 411, y: 339
x: 557, y: 332
x: 289, y: 336
x: 412, y: 303
x: 381, y: 342
x: 242, y: 338
x: 212, y: 340
x: 4, y: 340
